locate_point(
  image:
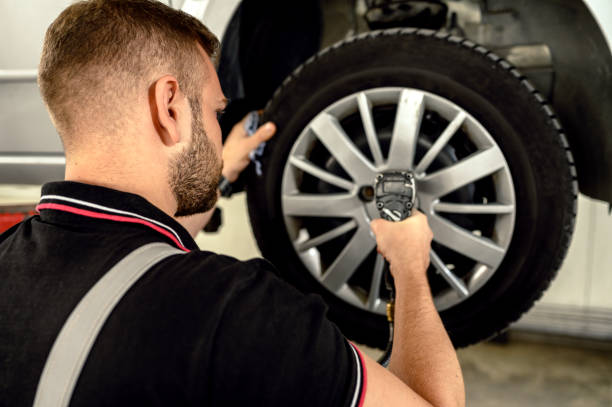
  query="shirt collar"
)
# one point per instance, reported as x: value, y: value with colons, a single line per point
x: 109, y: 205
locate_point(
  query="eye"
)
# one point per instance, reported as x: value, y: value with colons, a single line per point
x: 220, y: 114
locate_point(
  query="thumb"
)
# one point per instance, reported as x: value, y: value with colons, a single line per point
x: 376, y: 224
x: 265, y: 132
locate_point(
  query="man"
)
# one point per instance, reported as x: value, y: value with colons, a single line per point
x: 132, y: 91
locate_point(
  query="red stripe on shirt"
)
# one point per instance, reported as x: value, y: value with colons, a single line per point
x: 116, y: 218
x: 365, y: 376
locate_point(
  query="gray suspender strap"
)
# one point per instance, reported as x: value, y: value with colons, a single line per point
x: 72, y: 346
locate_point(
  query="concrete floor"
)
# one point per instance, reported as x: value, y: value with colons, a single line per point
x: 527, y: 370
x: 522, y: 373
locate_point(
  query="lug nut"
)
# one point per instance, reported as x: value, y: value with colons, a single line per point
x: 366, y: 193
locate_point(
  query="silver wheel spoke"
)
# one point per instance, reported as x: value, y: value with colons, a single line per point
x: 439, y: 144
x: 365, y: 111
x: 466, y: 171
x: 455, y: 282
x: 327, y: 236
x: 306, y: 166
x: 408, y: 118
x: 328, y: 130
x: 321, y: 205
x: 481, y: 209
x: 462, y: 241
x: 353, y: 254
x: 377, y: 275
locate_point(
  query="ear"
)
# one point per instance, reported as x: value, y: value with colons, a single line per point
x: 165, y: 98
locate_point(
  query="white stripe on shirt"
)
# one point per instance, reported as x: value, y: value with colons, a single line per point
x: 106, y: 208
x: 358, y: 384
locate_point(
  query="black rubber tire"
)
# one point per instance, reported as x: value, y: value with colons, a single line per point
x: 501, y: 99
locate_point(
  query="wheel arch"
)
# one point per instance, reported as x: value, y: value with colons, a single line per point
x: 581, y: 93
x: 263, y: 43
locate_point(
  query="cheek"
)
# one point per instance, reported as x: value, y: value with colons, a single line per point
x: 218, y: 139
x: 214, y: 136
x: 214, y: 133
x: 219, y: 148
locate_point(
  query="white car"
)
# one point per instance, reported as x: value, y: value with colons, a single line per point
x: 500, y: 109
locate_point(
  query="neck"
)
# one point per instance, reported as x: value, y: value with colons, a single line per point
x: 145, y: 178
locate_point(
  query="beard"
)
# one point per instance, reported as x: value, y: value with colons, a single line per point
x: 195, y: 172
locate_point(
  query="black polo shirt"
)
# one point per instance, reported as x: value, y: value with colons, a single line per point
x: 197, y: 329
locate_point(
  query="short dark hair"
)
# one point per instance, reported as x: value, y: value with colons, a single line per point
x: 97, y: 50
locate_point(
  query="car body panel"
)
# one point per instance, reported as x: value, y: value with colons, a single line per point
x: 602, y: 13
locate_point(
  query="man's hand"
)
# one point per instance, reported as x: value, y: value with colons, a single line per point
x: 238, y: 145
x: 405, y: 245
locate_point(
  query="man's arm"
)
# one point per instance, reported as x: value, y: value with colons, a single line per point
x: 424, y: 369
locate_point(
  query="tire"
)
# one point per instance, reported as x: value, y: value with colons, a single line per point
x: 532, y: 178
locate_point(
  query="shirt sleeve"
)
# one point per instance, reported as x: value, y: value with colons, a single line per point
x: 275, y: 347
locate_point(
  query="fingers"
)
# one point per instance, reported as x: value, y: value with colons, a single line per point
x: 239, y: 145
x: 376, y: 224
x: 381, y: 224
x: 416, y: 224
x: 424, y: 224
x: 264, y: 133
x: 418, y: 214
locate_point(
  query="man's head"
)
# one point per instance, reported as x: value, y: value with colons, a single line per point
x: 110, y: 68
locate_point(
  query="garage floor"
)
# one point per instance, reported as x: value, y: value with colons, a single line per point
x: 524, y: 370
x: 527, y: 371
x: 521, y: 373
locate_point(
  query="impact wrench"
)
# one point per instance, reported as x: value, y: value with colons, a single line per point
x: 395, y: 194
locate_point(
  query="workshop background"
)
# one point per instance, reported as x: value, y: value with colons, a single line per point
x: 557, y: 354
